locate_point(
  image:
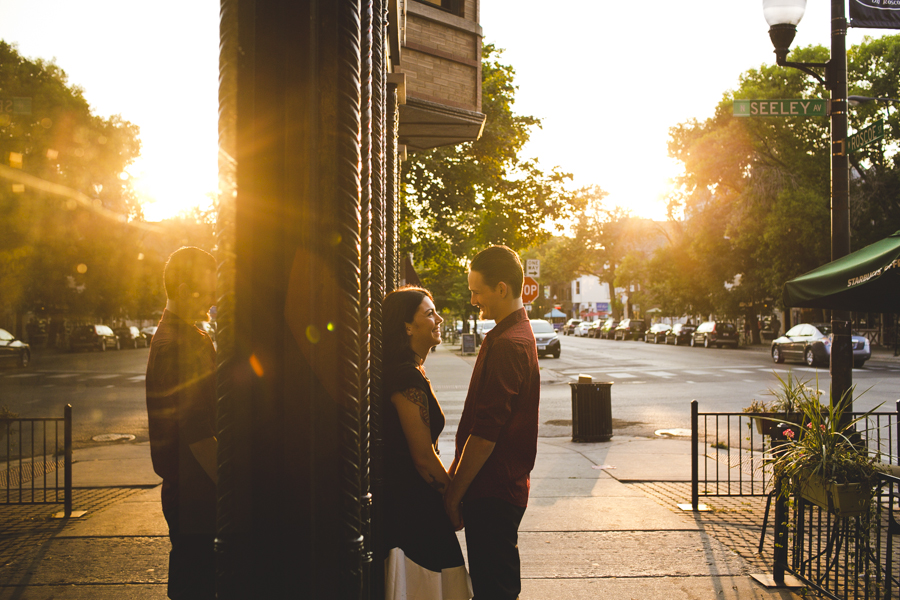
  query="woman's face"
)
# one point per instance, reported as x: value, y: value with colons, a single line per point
x: 425, y: 330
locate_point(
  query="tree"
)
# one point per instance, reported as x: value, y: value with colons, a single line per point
x: 65, y: 202
x: 458, y: 199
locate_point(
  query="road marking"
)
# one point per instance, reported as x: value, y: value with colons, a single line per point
x: 143, y: 377
x: 621, y: 375
x: 739, y: 371
x: 750, y: 380
x: 660, y: 373
x: 19, y: 375
x: 63, y: 375
x: 104, y: 376
x: 698, y: 372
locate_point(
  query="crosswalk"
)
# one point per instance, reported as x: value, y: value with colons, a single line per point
x: 748, y: 374
x: 69, y: 379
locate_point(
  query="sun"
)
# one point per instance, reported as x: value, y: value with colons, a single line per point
x: 167, y: 188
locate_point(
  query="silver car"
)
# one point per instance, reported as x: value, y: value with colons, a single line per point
x: 811, y: 343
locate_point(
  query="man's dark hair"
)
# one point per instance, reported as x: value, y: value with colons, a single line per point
x: 187, y: 265
x: 499, y: 263
x: 399, y: 308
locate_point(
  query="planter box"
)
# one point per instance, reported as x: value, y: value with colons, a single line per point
x: 842, y: 499
x: 767, y: 423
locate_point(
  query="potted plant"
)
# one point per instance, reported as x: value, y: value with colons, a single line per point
x: 785, y: 408
x: 824, y: 461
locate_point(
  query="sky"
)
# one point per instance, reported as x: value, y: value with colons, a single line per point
x: 607, y: 79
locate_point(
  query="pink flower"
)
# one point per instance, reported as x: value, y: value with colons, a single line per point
x: 789, y: 433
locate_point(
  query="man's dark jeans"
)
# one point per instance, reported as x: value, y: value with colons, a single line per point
x: 492, y: 538
x: 192, y: 563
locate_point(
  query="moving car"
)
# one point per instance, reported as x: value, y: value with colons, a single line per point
x: 131, y: 337
x: 811, y: 343
x: 630, y: 329
x: 680, y: 334
x: 93, y: 337
x: 607, y: 329
x: 657, y: 332
x: 545, y: 337
x: 715, y: 333
x: 569, y: 327
x: 12, y: 349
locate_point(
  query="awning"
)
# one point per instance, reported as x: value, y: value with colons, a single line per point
x: 554, y: 314
x: 867, y: 280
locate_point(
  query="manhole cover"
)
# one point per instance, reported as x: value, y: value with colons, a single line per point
x: 112, y: 437
x: 673, y: 432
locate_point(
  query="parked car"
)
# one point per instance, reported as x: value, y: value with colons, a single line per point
x: 581, y: 330
x: 94, y: 337
x: 131, y: 337
x: 680, y: 334
x: 630, y: 329
x: 569, y: 327
x: 149, y: 332
x: 657, y: 332
x: 545, y: 337
x: 715, y: 333
x: 594, y: 331
x: 12, y: 349
x: 608, y: 327
x: 811, y: 343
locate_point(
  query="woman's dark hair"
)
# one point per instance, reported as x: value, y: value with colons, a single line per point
x: 499, y: 263
x: 399, y: 308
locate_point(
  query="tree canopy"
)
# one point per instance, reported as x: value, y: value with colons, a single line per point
x: 459, y: 199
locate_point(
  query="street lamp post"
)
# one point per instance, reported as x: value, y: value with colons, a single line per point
x: 783, y: 17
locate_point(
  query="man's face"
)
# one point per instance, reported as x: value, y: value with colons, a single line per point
x: 485, y: 297
x: 202, y: 297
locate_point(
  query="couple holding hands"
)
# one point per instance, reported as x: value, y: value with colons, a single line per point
x: 485, y: 490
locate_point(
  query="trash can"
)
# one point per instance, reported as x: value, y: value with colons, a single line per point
x: 591, y: 410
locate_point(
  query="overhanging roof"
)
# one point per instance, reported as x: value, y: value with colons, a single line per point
x: 425, y: 124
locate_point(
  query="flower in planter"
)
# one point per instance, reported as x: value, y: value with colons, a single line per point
x: 789, y: 434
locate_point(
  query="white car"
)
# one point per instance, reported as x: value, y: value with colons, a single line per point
x: 582, y: 329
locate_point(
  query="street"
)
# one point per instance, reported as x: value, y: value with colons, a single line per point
x: 652, y: 386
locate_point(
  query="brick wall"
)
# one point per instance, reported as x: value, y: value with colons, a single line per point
x: 438, y: 79
x: 444, y: 39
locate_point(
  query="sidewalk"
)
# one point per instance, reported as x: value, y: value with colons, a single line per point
x: 601, y: 523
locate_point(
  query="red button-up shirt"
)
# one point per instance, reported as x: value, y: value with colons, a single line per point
x: 502, y: 407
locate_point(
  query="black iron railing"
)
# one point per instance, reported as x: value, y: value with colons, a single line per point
x: 842, y: 557
x: 730, y: 456
x: 33, y: 451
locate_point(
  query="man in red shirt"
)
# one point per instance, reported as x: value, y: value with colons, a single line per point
x: 181, y: 410
x: 496, y: 442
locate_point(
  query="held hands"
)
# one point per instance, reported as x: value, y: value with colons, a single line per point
x: 452, y: 507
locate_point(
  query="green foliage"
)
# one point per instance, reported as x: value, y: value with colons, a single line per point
x: 825, y: 446
x: 458, y: 199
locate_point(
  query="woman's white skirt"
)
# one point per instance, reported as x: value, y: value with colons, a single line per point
x: 405, y: 580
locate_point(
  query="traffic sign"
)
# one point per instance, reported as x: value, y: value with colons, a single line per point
x: 864, y: 137
x: 533, y: 267
x: 779, y: 108
x: 529, y: 290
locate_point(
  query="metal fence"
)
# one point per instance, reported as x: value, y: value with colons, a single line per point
x: 33, y: 451
x: 730, y: 453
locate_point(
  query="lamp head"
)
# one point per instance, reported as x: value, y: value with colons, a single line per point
x: 783, y: 17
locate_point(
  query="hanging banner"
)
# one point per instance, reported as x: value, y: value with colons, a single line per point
x: 878, y: 14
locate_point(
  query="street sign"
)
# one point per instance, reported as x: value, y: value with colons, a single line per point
x: 533, y: 267
x: 15, y: 106
x: 529, y: 290
x: 864, y: 137
x: 779, y: 108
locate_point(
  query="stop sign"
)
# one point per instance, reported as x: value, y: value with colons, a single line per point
x: 529, y: 290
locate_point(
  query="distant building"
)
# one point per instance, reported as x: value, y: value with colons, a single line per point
x: 590, y: 298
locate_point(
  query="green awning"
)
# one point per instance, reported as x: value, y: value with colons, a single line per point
x: 867, y: 280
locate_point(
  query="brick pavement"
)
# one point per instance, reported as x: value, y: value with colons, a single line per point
x: 735, y: 521
x: 25, y: 529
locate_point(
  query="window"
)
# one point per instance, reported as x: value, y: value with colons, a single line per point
x: 577, y: 287
x: 451, y: 6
